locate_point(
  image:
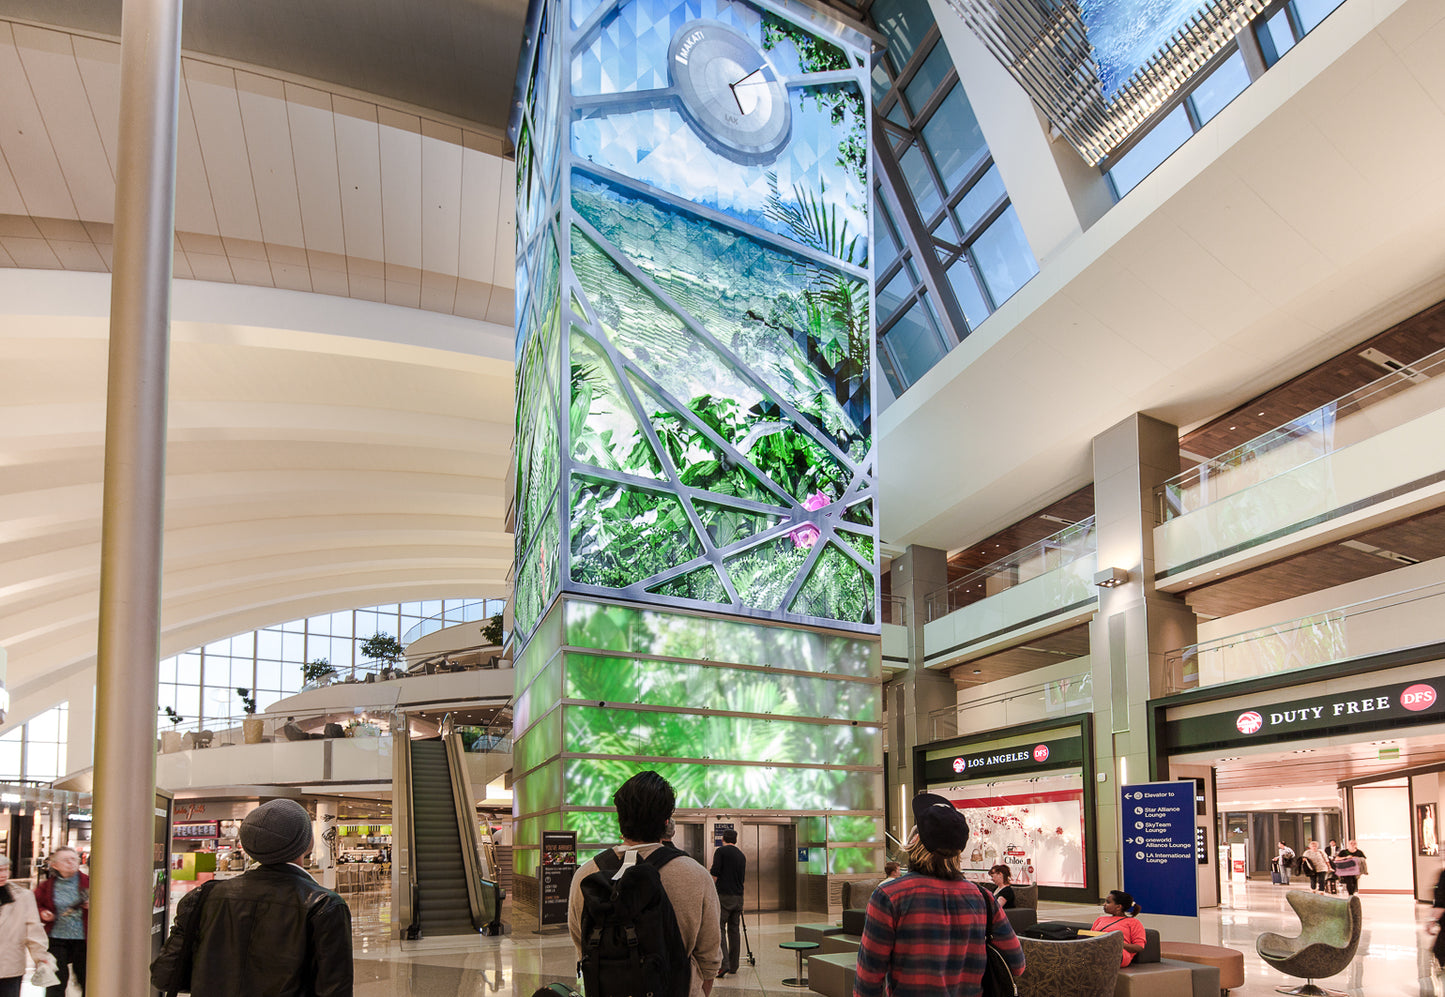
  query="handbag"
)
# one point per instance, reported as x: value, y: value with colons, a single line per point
x: 1364, y: 865
x: 998, y: 979
x: 1051, y: 931
x: 44, y: 975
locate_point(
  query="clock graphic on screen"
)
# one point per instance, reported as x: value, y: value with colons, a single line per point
x: 729, y: 92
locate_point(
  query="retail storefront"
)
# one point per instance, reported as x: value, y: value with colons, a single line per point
x: 1028, y: 794
x: 1347, y: 725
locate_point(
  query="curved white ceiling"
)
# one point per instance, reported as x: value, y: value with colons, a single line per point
x: 279, y: 181
x: 307, y: 470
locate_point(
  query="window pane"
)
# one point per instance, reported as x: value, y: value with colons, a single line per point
x: 268, y: 644
x: 920, y: 182
x: 244, y: 645
x: 881, y: 83
x: 341, y: 624
x: 168, y: 670
x: 1312, y: 12
x: 340, y: 652
x: 188, y: 668
x: 1220, y: 87
x: 892, y: 296
x: 1004, y: 257
x: 929, y: 77
x: 10, y: 755
x: 219, y: 647
x: 293, y: 647
x: 915, y: 343
x: 885, y: 251
x: 965, y: 288
x: 903, y: 23
x: 898, y: 115
x: 268, y: 675
x: 980, y: 199
x: 1155, y: 147
x: 218, y: 671
x: 1276, y: 37
x: 954, y: 138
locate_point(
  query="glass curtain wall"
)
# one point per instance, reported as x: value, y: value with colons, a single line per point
x: 35, y: 750
x: 200, y: 684
x: 950, y: 249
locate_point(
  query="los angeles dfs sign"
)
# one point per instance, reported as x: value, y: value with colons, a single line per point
x: 1391, y: 706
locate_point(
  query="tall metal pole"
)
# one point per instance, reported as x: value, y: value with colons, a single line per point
x: 133, y: 518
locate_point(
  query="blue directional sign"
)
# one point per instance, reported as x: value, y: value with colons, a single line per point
x: 1158, y: 845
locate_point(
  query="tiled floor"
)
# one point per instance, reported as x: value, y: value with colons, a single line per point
x: 1393, y: 960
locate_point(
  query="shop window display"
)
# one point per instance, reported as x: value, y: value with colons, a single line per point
x: 1033, y: 826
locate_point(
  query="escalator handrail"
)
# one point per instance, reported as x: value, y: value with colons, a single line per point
x: 405, y: 856
x: 466, y: 813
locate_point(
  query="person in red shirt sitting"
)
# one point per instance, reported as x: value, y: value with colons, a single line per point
x: 1119, y: 915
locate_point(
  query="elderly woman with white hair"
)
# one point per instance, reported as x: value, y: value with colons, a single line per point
x: 20, y: 929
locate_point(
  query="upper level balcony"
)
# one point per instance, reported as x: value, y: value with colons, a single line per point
x: 1044, y: 587
x: 1369, y: 457
x: 1400, y: 621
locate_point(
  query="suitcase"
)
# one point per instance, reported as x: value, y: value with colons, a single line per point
x: 1277, y: 878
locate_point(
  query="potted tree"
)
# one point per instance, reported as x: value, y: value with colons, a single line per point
x: 253, y: 728
x: 492, y: 633
x: 171, y: 739
x: 384, y: 648
x: 317, y: 672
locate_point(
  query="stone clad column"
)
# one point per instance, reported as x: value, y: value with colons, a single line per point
x: 1135, y: 624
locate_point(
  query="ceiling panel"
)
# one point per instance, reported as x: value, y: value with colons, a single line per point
x: 54, y: 76
x: 278, y: 183
x: 24, y: 141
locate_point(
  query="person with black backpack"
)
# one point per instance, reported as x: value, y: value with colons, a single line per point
x: 644, y: 916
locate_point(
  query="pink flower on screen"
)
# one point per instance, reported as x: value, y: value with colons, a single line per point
x: 807, y: 535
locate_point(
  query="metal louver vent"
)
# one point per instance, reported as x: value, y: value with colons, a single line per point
x: 1044, y: 45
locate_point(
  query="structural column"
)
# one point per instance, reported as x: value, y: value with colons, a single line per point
x: 1135, y: 624
x: 132, y: 523
x: 917, y: 694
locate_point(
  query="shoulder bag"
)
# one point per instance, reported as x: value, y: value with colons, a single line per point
x: 998, y: 979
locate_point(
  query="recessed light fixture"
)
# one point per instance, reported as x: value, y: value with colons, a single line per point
x: 978, y: 671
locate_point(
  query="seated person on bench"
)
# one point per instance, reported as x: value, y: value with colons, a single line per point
x: 1119, y: 915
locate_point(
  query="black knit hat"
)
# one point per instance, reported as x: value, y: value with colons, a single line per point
x: 276, y: 832
x: 941, y: 828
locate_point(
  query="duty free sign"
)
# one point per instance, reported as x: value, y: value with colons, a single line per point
x: 1356, y: 711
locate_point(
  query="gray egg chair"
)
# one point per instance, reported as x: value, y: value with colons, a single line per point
x: 1329, y: 935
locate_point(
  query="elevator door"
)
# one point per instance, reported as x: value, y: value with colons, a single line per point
x: 770, y: 877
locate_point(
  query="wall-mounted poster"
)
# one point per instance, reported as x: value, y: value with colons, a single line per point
x: 1427, y: 831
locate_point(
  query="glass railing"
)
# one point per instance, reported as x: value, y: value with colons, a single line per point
x: 470, y: 612
x: 1048, y: 554
x: 895, y: 609
x: 1383, y: 404
x: 1055, y: 697
x: 1388, y: 623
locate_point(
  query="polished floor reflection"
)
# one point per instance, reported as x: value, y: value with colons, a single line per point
x: 1393, y: 960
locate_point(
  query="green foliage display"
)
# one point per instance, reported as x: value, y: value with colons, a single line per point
x: 852, y: 861
x: 593, y: 828
x: 622, y: 535
x: 591, y: 782
x: 716, y: 687
x: 602, y: 426
x: 837, y: 588
x: 844, y: 104
x: 629, y: 629
x: 623, y: 732
x: 543, y: 740
x: 852, y: 829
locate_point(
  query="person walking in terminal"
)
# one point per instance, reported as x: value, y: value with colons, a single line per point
x: 1317, y: 864
x: 925, y: 933
x: 20, y: 931
x: 729, y: 869
x: 1120, y: 914
x: 63, y: 901
x: 273, y: 930
x: 1350, y: 866
x: 1283, y: 861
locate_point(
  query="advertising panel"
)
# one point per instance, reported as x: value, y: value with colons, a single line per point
x: 1159, y: 847
x: 559, y: 863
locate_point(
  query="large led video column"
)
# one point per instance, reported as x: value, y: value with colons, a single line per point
x: 696, y: 574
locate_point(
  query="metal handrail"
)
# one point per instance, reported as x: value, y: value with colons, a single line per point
x: 404, y: 884
x: 466, y: 813
x: 941, y: 602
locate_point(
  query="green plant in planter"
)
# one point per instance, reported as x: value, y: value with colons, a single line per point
x: 492, y: 633
x: 174, y: 717
x: 316, y: 670
x: 248, y: 701
x: 384, y: 648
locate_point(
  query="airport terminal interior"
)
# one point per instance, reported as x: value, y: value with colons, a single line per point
x: 817, y: 402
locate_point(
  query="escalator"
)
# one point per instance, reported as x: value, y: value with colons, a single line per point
x: 442, y: 906
x: 440, y: 889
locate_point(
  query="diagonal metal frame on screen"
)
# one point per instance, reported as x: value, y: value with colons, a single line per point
x: 553, y: 307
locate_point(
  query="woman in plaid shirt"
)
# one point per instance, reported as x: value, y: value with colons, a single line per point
x: 926, y: 931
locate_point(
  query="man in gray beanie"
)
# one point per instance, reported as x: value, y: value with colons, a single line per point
x: 276, y: 909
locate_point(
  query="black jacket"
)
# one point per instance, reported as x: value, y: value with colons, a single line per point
x: 273, y: 932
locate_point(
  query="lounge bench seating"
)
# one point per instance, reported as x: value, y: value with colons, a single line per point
x: 1149, y: 975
